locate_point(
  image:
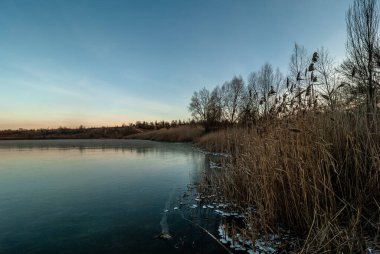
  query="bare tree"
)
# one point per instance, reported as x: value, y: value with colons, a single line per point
x: 216, y: 105
x: 232, y: 98
x: 199, y: 104
x: 362, y: 21
x: 278, y: 80
x: 297, y: 79
x: 205, y: 107
x: 264, y: 83
x: 269, y: 83
x: 329, y: 79
x: 298, y: 63
x: 252, y: 83
x: 250, y: 100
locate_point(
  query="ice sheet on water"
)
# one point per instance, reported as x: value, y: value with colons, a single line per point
x: 239, y: 244
x: 224, y: 241
x: 210, y: 153
x: 252, y: 252
x: 215, y: 165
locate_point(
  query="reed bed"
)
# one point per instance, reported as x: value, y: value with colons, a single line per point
x: 316, y: 175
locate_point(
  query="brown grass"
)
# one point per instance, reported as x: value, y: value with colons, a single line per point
x: 317, y: 175
x: 218, y: 141
x: 177, y: 134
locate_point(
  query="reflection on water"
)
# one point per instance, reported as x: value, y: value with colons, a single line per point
x: 96, y: 196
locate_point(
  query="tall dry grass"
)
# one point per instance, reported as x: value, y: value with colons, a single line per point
x: 317, y: 175
x: 176, y: 134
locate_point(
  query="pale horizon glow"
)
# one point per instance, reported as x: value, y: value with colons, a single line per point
x: 106, y: 63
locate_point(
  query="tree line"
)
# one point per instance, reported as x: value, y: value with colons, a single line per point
x: 314, y: 80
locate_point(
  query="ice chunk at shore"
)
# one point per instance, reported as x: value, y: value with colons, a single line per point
x: 253, y: 252
x: 223, y: 241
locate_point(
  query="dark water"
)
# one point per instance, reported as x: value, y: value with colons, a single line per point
x: 95, y: 196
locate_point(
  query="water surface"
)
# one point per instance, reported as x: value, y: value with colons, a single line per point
x: 97, y: 196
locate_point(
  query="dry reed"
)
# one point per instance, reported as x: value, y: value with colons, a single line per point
x: 175, y: 134
x: 317, y: 175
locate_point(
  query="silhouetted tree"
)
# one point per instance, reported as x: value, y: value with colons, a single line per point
x: 216, y: 105
x: 299, y: 62
x: 232, y: 93
x: 205, y: 107
x: 199, y: 103
x: 362, y: 47
x: 329, y: 80
x: 268, y: 85
x: 249, y: 111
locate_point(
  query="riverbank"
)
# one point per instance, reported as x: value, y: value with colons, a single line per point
x: 70, y: 133
x: 183, y: 133
x: 316, y: 176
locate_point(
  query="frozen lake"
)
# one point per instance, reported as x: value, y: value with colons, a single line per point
x: 98, y: 196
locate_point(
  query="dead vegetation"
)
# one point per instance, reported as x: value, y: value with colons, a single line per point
x: 321, y: 182
x: 186, y: 133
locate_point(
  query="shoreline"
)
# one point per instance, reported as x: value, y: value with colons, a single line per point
x: 183, y: 133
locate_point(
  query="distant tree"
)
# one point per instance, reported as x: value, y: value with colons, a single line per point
x: 278, y: 80
x: 216, y: 105
x: 362, y: 48
x: 269, y: 83
x: 265, y: 82
x: 297, y: 79
x: 199, y: 104
x: 328, y: 78
x: 205, y: 107
x: 298, y: 63
x: 249, y: 111
x: 232, y: 95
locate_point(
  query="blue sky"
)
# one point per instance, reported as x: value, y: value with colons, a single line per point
x: 98, y: 62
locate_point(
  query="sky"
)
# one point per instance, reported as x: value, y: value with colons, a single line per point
x: 109, y: 62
